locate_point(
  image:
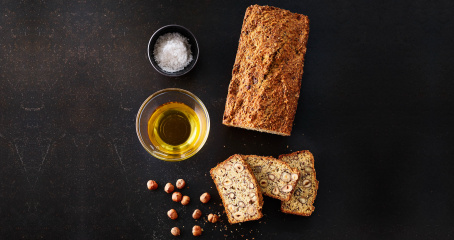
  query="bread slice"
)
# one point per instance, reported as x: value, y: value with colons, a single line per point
x: 239, y: 190
x: 302, y: 200
x: 276, y: 178
x: 266, y: 77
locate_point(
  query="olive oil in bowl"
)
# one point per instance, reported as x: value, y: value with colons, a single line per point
x: 172, y: 124
x: 174, y: 128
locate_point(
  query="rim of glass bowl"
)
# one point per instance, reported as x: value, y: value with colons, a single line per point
x: 151, y: 97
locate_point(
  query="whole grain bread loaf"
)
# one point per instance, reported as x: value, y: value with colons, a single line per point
x: 266, y: 77
x: 302, y: 200
x: 239, y: 190
x: 275, y: 177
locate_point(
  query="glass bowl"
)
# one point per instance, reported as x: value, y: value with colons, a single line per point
x: 156, y: 100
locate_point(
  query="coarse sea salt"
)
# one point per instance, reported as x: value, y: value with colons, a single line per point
x: 172, y: 52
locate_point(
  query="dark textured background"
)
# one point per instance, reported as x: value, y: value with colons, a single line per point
x: 376, y: 110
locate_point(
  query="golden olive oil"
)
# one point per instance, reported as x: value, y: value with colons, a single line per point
x: 174, y: 128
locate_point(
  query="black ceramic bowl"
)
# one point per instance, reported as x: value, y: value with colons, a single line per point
x: 171, y: 29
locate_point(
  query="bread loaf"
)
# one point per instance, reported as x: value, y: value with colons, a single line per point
x: 266, y: 77
x: 239, y: 190
x: 276, y: 178
x: 302, y: 200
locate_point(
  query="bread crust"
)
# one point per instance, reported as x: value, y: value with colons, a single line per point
x: 258, y: 191
x: 266, y: 77
x: 311, y: 204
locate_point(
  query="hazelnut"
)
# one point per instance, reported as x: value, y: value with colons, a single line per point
x: 241, y: 204
x: 295, y: 176
x: 302, y: 200
x: 263, y: 183
x: 251, y: 210
x: 212, y: 218
x: 169, y: 188
x: 175, y: 231
x: 228, y: 166
x: 254, y: 199
x: 196, y: 214
x: 285, y: 177
x: 231, y: 195
x: 238, y: 167
x: 287, y: 188
x: 180, y: 183
x: 172, y: 214
x: 238, y: 216
x: 185, y: 200
x: 306, y: 183
x: 271, y: 176
x: 205, y: 197
x: 152, y: 185
x: 275, y: 191
x: 232, y: 208
x: 176, y: 196
x: 196, y: 230
x: 227, y: 182
x: 220, y: 171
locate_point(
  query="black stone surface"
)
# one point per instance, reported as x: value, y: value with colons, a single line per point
x: 376, y: 110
